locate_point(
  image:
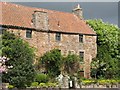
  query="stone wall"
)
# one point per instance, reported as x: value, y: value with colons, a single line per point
x: 44, y: 41
x: 40, y: 20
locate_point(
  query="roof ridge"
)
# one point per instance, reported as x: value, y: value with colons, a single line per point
x: 36, y: 8
x: 21, y: 16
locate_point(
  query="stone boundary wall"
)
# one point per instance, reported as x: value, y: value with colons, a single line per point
x: 65, y: 89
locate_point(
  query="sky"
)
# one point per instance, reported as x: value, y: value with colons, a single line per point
x: 61, y: 0
x: 107, y: 11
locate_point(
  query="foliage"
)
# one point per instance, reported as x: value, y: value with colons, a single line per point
x: 3, y: 67
x: 42, y: 85
x: 21, y: 58
x: 55, y: 63
x: 100, y: 81
x: 88, y: 82
x: 71, y: 64
x: 49, y: 84
x: 107, y: 35
x: 34, y: 84
x: 52, y: 62
x: 108, y: 52
x: 10, y: 86
x: 41, y: 78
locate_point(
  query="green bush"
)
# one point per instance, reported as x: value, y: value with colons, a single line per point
x: 71, y: 64
x: 118, y: 81
x: 100, y: 81
x: 21, y: 56
x: 103, y: 82
x: 51, y: 84
x: 10, y: 86
x: 41, y: 78
x: 34, y: 84
x: 88, y: 82
x: 42, y: 85
x: 52, y: 62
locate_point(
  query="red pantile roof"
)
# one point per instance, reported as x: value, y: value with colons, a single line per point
x: 18, y: 15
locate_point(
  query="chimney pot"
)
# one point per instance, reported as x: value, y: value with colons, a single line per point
x: 78, y: 11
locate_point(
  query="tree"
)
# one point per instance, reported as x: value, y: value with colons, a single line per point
x: 21, y: 58
x: 52, y: 62
x: 3, y: 67
x: 108, y: 52
x: 104, y: 65
x: 71, y: 64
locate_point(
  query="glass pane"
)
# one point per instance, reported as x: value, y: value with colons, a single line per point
x: 80, y: 38
x: 58, y: 36
x: 81, y: 54
x: 29, y: 33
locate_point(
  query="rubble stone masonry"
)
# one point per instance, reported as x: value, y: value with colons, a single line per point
x: 45, y: 41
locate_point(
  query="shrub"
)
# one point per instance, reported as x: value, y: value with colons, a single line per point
x: 51, y: 84
x: 71, y: 64
x: 88, y: 82
x: 43, y: 85
x: 103, y: 82
x: 34, y: 84
x: 52, y: 62
x: 10, y: 86
x: 41, y: 78
x: 21, y: 57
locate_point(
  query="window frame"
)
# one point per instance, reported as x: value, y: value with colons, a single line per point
x: 83, y: 53
x: 28, y: 33
x: 81, y: 38
x: 58, y: 36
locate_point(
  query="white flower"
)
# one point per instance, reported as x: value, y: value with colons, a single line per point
x: 10, y: 66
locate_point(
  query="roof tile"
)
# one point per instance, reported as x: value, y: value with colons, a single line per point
x: 18, y: 15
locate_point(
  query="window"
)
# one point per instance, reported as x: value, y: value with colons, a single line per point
x: 58, y: 36
x: 81, y: 54
x: 28, y: 33
x: 81, y: 38
x: 0, y: 30
x: 82, y: 73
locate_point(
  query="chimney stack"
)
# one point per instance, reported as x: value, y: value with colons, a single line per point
x: 40, y: 20
x: 78, y: 11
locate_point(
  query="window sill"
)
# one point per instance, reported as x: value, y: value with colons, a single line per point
x: 28, y: 38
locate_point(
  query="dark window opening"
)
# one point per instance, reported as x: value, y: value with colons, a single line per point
x: 58, y: 36
x: 0, y: 30
x: 82, y: 73
x: 81, y: 54
x: 28, y: 33
x: 81, y: 38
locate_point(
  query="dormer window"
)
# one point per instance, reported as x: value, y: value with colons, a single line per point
x: 28, y: 33
x: 58, y: 36
x: 80, y: 38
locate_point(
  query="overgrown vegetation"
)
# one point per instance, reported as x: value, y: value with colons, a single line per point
x: 41, y: 78
x: 106, y: 64
x: 21, y: 58
x: 71, y: 64
x: 52, y: 62
x: 55, y: 63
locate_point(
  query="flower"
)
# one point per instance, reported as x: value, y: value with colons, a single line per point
x: 3, y: 67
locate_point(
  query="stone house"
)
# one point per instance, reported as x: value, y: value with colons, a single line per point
x: 48, y: 29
